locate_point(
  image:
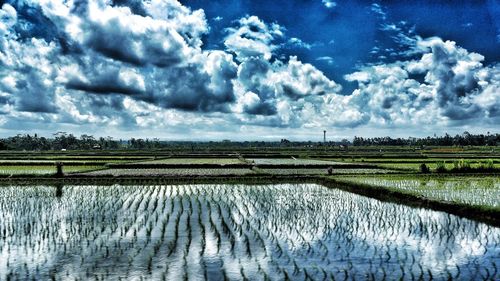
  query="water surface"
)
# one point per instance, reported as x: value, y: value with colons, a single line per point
x: 212, y: 232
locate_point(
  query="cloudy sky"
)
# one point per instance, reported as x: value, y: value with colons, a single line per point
x: 211, y: 70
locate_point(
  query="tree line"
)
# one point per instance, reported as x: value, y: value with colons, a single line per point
x: 447, y: 140
x: 64, y: 141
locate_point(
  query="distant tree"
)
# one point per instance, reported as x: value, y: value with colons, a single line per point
x: 424, y: 169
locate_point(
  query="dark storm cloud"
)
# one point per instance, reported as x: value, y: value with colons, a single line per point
x: 261, y: 108
x: 105, y: 77
x: 101, y: 87
x: 192, y: 89
x: 33, y: 95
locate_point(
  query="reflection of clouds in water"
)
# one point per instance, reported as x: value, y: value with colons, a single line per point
x: 172, y: 232
x: 438, y: 241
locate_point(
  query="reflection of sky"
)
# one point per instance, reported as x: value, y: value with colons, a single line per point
x: 443, y: 242
x: 293, y: 228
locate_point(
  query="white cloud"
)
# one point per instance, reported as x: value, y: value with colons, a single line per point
x: 329, y: 4
x: 296, y: 42
x: 456, y: 87
x: 143, y: 66
x: 252, y: 38
x: 329, y: 60
x: 379, y: 10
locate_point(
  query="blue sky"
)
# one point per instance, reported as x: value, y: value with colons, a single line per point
x: 249, y: 69
x: 348, y: 31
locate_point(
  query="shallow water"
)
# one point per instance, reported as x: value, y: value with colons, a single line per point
x: 197, y: 232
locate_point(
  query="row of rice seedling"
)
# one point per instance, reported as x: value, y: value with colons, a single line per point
x: 410, y: 160
x: 218, y: 161
x: 290, y: 161
x: 44, y: 170
x: 436, y: 166
x: 171, y: 172
x: 312, y: 171
x: 28, y: 162
x: 234, y: 232
x: 463, y: 165
x: 480, y: 191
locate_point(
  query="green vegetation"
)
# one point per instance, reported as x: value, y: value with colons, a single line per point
x: 219, y: 161
x: 313, y: 171
x: 483, y: 191
x: 424, y: 169
x: 412, y: 160
x: 44, y: 170
x: 171, y: 172
x: 290, y: 161
x: 442, y: 166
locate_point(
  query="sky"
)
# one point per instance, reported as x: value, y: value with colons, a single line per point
x: 249, y: 70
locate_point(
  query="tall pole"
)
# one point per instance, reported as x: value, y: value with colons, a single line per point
x: 324, y: 136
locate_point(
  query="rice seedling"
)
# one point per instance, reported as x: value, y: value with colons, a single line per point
x: 479, y: 191
x: 233, y: 232
x: 313, y: 171
x: 292, y: 161
x: 171, y: 172
x: 440, y: 166
x: 44, y: 170
x: 219, y: 161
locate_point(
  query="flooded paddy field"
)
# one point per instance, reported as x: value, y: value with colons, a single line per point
x: 472, y: 190
x: 234, y: 232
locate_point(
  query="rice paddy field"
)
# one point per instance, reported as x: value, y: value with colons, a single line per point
x: 471, y: 190
x: 171, y: 172
x: 233, y: 232
x: 312, y: 171
x: 274, y: 230
x: 290, y: 161
x: 43, y: 169
x: 413, y: 164
x: 217, y: 161
x: 432, y: 166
